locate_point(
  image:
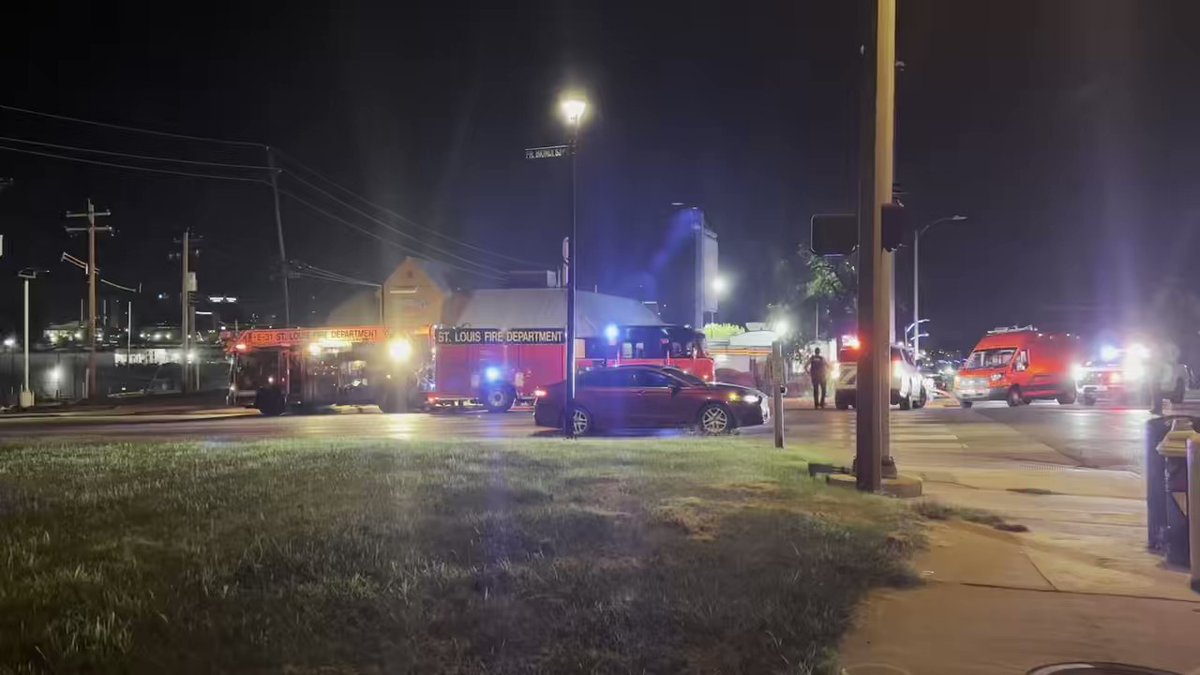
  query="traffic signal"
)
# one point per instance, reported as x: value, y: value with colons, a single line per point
x: 834, y: 233
x: 896, y: 226
x: 837, y: 233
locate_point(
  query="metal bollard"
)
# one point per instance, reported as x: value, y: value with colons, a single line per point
x: 1156, y: 506
x: 1175, y: 538
x: 1193, y: 509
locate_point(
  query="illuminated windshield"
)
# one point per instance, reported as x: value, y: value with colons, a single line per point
x: 989, y: 358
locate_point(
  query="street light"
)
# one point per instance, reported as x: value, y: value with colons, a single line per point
x: 25, y: 399
x: 720, y: 285
x: 916, y: 273
x: 573, y: 108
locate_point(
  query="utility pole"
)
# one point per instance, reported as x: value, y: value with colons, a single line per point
x: 873, y: 457
x: 90, y: 333
x: 283, y: 264
x: 187, y: 321
x: 185, y: 329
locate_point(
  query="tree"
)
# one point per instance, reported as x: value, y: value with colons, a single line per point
x: 722, y: 331
x: 807, y: 285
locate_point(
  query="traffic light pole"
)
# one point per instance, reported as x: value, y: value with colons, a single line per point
x: 873, y: 394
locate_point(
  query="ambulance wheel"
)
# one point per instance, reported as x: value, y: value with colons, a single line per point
x: 966, y: 404
x: 269, y: 402
x: 499, y: 399
x: 1014, y: 397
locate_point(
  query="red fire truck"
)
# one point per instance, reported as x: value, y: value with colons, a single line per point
x: 282, y: 369
x: 497, y: 368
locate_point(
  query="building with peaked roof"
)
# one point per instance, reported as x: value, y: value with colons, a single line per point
x: 543, y: 307
x: 421, y: 293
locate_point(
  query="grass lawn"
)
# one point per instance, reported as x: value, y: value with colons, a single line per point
x: 539, y: 555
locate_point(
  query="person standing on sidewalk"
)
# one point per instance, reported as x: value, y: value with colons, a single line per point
x: 816, y: 372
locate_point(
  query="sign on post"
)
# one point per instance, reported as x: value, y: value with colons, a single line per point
x: 547, y: 152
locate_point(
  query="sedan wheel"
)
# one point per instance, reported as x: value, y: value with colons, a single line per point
x: 715, y: 419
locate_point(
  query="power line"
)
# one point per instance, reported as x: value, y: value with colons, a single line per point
x: 390, y: 212
x: 393, y: 228
x: 122, y: 127
x: 127, y: 166
x: 385, y: 240
x: 154, y: 158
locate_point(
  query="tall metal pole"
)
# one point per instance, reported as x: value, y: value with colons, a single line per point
x: 25, y: 342
x: 129, y: 336
x: 572, y: 279
x: 778, y: 380
x: 283, y: 264
x: 916, y: 294
x: 184, y: 329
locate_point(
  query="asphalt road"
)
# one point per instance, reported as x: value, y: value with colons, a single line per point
x: 1104, y: 437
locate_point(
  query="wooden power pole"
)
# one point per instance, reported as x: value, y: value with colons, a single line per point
x: 90, y: 334
x: 877, y: 125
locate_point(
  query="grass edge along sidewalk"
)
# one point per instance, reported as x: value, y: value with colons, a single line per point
x: 640, y: 555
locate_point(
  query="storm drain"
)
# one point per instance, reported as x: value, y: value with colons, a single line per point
x: 1097, y: 669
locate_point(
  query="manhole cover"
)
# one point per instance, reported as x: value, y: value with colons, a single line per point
x: 1097, y: 669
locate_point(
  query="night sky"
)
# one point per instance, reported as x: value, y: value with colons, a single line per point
x: 1066, y: 131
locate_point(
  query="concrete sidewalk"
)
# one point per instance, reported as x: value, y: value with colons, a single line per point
x: 1078, y: 586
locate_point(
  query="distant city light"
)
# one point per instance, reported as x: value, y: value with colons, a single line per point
x: 10, y: 342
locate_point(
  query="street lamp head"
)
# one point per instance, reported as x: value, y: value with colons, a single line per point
x: 957, y: 218
x: 573, y: 108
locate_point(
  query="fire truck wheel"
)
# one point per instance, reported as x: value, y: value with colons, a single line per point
x: 393, y: 401
x: 499, y: 399
x: 269, y: 402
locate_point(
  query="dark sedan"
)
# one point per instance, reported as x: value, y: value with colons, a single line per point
x: 639, y: 397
